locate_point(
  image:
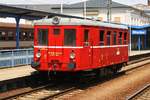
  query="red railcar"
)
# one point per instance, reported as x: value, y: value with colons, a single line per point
x: 72, y: 45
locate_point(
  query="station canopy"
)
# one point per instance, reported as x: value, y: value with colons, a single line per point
x: 15, y: 8
x: 9, y: 11
x: 39, y: 2
x: 140, y: 27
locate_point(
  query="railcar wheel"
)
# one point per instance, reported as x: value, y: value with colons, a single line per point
x: 103, y: 72
x: 97, y: 73
x: 114, y: 69
x: 117, y: 68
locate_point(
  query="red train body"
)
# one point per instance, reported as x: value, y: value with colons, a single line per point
x: 74, y: 45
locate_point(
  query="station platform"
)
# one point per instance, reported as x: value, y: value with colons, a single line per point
x: 17, y: 72
x: 133, y: 53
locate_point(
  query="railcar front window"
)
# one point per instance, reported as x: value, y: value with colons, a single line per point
x: 42, y: 37
x: 69, y: 37
x: 56, y: 31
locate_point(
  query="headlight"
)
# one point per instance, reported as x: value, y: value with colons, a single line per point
x: 38, y: 55
x: 72, y: 55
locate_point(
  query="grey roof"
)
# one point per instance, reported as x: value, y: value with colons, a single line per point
x: 72, y: 21
x: 45, y: 8
x: 89, y: 3
x: 94, y: 4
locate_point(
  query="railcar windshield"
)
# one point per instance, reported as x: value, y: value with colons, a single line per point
x: 56, y: 31
x: 42, y: 37
x: 69, y: 37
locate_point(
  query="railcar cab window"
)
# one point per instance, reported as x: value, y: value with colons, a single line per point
x: 56, y: 31
x: 101, y: 37
x: 86, y: 37
x: 125, y: 38
x: 108, y: 37
x: 69, y: 37
x: 42, y: 37
x: 120, y: 37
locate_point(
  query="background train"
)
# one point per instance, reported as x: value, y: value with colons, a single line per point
x: 8, y: 36
x: 73, y: 45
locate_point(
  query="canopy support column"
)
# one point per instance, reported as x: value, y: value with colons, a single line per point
x: 139, y: 43
x: 17, y: 31
x: 145, y: 46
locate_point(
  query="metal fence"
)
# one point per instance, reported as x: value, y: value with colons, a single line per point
x: 15, y: 57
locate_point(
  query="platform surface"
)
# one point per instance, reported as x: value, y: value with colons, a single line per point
x: 21, y: 71
x: 133, y: 53
x: 15, y: 72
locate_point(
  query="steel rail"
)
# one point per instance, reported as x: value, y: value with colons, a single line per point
x: 138, y: 92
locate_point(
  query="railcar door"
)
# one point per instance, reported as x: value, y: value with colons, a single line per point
x: 41, y: 43
x: 86, y: 56
x: 55, y: 50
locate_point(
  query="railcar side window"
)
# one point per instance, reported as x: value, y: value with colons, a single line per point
x: 120, y: 37
x: 115, y: 38
x: 69, y: 37
x: 86, y: 37
x: 42, y: 37
x: 125, y: 38
x: 108, y: 37
x: 26, y: 35
x: 101, y: 37
x: 10, y: 36
x: 56, y: 31
x: 23, y: 36
x: 2, y: 36
x: 30, y: 36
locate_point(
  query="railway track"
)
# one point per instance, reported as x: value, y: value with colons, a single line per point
x: 131, y: 61
x: 50, y: 91
x: 43, y: 93
x: 130, y: 67
x: 142, y: 94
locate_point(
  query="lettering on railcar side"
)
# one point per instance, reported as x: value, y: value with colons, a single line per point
x: 55, y: 53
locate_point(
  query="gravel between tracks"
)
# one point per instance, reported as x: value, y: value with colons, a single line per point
x: 116, y: 89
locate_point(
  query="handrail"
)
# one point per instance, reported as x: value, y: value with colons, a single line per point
x: 15, y: 57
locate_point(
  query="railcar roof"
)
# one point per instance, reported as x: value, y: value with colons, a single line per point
x: 72, y: 21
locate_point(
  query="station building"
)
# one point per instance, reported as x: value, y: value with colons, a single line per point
x: 133, y: 16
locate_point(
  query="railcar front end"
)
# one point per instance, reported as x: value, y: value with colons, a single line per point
x: 55, y: 48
